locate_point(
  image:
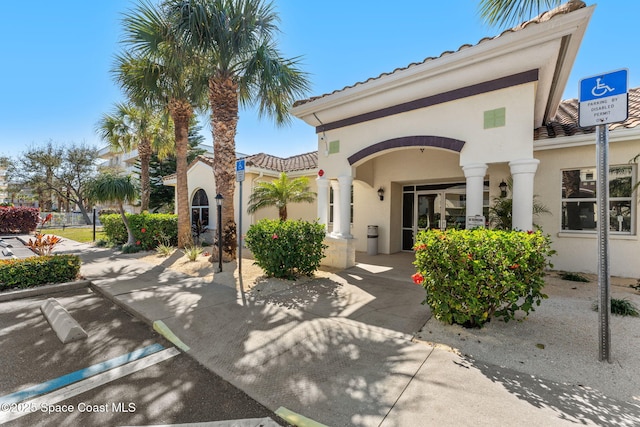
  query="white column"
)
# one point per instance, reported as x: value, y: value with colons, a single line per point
x: 323, y: 200
x: 335, y: 186
x: 523, y: 171
x: 345, y: 206
x: 474, y: 173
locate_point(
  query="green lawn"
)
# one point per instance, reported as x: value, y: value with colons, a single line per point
x: 84, y: 234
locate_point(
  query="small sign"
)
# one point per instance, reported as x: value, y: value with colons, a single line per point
x: 476, y: 221
x: 240, y: 166
x: 604, y: 99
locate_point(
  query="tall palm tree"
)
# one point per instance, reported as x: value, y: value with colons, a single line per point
x: 116, y: 189
x: 131, y: 127
x: 279, y: 193
x: 158, y: 70
x: 244, y: 67
x: 502, y: 13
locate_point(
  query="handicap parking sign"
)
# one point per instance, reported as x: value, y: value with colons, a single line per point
x: 604, y: 99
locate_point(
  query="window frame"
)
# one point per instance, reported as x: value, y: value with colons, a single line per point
x: 631, y: 199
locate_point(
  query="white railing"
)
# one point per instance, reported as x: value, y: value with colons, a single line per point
x: 64, y: 219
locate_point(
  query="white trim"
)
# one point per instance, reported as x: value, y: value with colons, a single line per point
x: 617, y: 135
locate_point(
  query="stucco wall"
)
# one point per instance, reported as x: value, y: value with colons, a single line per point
x: 461, y: 119
x: 579, y: 251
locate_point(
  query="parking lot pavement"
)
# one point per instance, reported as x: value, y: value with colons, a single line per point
x: 48, y: 381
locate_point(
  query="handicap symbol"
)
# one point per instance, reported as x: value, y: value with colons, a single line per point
x: 601, y: 88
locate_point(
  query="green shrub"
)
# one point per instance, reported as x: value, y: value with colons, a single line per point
x: 287, y: 248
x: 149, y: 229
x: 35, y: 271
x: 621, y: 307
x: 573, y: 277
x: 472, y: 275
x: 192, y: 252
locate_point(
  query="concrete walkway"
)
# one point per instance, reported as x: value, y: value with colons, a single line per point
x: 340, y: 350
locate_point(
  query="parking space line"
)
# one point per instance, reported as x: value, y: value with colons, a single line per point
x: 43, y: 402
x: 81, y: 374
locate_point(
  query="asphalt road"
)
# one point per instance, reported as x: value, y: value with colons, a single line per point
x: 173, y: 391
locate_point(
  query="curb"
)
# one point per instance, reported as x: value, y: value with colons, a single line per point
x: 43, y: 290
x: 296, y: 419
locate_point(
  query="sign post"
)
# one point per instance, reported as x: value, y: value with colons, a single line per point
x: 240, y: 167
x: 603, y: 100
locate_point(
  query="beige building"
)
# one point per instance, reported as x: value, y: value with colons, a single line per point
x: 428, y: 145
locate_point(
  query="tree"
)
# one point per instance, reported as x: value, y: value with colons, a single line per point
x: 503, y: 13
x: 132, y: 127
x: 279, y: 193
x: 157, y: 69
x: 500, y: 214
x: 117, y: 189
x: 60, y: 170
x: 244, y: 67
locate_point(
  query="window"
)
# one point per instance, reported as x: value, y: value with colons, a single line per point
x: 200, y: 209
x: 579, y: 200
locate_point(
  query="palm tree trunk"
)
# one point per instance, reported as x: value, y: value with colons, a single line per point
x: 144, y: 152
x: 131, y: 240
x: 223, y: 98
x: 181, y: 113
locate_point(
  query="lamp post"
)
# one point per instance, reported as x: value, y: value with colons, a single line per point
x: 219, y: 200
x: 503, y: 188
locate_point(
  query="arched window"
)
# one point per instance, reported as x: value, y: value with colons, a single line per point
x: 200, y: 208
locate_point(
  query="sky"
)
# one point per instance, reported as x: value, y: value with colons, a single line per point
x: 56, y: 81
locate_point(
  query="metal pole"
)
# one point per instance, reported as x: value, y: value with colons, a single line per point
x: 240, y: 234
x: 219, y: 237
x: 604, y: 297
x: 94, y: 224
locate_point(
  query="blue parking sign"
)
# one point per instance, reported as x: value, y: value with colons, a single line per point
x: 240, y: 165
x: 604, y: 99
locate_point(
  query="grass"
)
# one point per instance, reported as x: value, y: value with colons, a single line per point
x: 574, y: 277
x: 82, y: 234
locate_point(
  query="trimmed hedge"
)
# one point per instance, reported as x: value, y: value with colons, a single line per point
x: 35, y: 271
x: 18, y: 219
x: 148, y: 229
x: 472, y: 275
x: 286, y: 249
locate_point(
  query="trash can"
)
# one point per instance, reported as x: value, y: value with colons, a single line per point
x: 372, y: 240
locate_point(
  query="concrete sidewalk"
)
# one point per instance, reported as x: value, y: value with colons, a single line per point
x: 341, y: 350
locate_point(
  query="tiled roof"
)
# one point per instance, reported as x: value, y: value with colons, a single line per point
x: 299, y: 162
x: 565, y: 122
x: 306, y: 161
x: 565, y: 8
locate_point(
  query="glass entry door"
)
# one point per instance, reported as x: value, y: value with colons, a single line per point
x: 427, y: 210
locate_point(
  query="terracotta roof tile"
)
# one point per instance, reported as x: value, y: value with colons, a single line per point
x: 306, y: 161
x: 565, y: 8
x: 565, y: 122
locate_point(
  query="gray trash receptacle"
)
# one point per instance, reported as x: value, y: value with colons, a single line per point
x: 372, y: 240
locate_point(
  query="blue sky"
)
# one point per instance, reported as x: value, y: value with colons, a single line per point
x: 55, y: 80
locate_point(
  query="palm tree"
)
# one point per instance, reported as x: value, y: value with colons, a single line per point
x: 509, y: 12
x: 244, y: 67
x: 279, y: 193
x: 158, y: 70
x: 130, y: 127
x: 116, y: 189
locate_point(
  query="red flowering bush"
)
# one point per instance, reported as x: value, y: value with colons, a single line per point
x: 473, y: 275
x: 286, y: 248
x: 18, y: 219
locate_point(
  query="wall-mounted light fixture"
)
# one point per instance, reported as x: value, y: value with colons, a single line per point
x: 381, y: 193
x: 503, y: 188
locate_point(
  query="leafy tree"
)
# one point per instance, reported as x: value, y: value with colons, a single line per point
x: 244, y: 67
x: 279, y: 193
x: 132, y: 127
x: 162, y: 196
x: 502, y: 13
x: 157, y: 69
x: 500, y: 214
x: 118, y: 189
x: 57, y: 169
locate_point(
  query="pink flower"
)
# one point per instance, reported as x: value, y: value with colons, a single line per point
x: 143, y: 230
x: 138, y: 242
x: 420, y: 247
x: 275, y: 236
x: 417, y: 278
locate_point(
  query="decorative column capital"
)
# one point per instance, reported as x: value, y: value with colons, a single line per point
x: 529, y: 166
x: 475, y: 170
